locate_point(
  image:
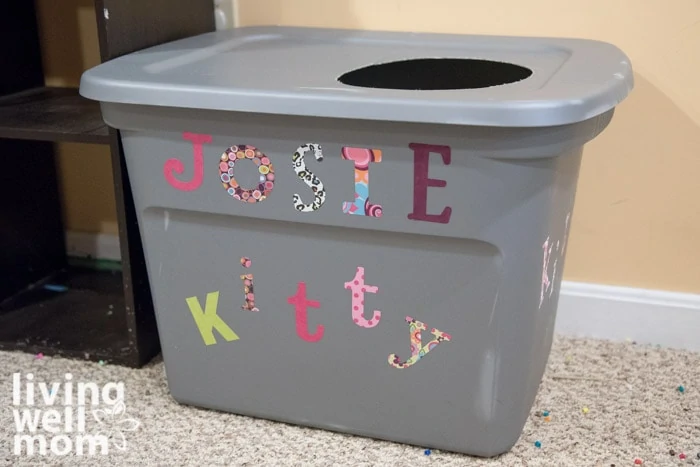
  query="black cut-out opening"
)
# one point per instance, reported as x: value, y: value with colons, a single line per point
x: 431, y: 74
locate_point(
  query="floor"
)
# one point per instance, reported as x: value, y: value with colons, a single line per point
x: 608, y: 403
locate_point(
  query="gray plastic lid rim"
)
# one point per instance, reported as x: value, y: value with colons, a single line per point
x: 572, y: 79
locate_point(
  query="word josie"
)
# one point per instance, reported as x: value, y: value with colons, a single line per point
x: 208, y: 320
x: 361, y: 158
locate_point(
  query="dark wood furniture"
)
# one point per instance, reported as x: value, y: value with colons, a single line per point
x: 48, y: 303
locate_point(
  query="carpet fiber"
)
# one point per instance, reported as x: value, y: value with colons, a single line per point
x: 634, y: 410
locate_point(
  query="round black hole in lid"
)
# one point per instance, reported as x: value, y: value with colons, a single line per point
x: 431, y: 74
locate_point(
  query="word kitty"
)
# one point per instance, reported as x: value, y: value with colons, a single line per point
x: 208, y: 320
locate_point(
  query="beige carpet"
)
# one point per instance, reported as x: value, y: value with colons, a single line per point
x: 635, y: 410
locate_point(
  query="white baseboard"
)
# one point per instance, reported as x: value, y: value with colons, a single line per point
x: 97, y: 246
x: 654, y: 317
x: 668, y: 319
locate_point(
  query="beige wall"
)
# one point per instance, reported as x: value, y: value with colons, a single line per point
x: 68, y: 31
x: 637, y: 215
x: 643, y: 231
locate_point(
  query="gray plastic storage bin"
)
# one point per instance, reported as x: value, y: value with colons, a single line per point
x: 359, y: 231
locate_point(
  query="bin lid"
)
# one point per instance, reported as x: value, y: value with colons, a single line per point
x: 373, y: 75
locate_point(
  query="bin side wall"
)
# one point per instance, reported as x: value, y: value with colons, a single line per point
x: 484, y: 277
